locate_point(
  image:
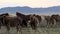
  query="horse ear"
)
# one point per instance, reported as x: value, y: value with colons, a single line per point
x: 7, y: 14
x: 17, y: 12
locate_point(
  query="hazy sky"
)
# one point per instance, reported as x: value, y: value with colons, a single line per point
x: 30, y: 3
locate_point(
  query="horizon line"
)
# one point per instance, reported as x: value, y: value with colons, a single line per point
x: 27, y: 6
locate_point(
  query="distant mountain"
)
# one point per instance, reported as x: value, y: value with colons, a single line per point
x: 26, y: 9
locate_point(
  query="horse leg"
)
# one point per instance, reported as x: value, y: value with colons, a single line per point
x: 47, y: 24
x: 35, y: 29
x: 0, y: 25
x: 8, y: 28
x: 56, y: 24
x: 18, y: 29
x: 28, y: 30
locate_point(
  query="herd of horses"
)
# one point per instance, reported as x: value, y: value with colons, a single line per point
x: 21, y: 20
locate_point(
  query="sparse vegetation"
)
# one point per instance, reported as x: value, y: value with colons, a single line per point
x: 30, y: 31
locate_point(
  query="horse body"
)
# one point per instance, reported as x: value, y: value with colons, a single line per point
x: 2, y: 23
x: 23, y: 17
x: 56, y: 18
x: 33, y: 21
x: 50, y: 21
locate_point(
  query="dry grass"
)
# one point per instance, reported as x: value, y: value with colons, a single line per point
x: 30, y: 31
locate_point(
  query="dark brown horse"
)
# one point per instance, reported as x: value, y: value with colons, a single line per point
x: 2, y: 23
x: 34, y: 22
x: 57, y: 18
x: 23, y: 17
x: 12, y: 22
x: 26, y: 18
x: 39, y: 18
x: 50, y: 21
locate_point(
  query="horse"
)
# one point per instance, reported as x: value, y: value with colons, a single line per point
x: 56, y: 18
x: 49, y: 20
x: 33, y: 21
x: 12, y: 22
x: 39, y: 18
x: 23, y: 17
x: 2, y: 23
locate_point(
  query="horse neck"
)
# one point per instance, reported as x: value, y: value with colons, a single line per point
x: 21, y: 15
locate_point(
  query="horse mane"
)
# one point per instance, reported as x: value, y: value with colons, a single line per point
x: 20, y: 14
x: 4, y: 14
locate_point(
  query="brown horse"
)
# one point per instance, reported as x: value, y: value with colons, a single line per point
x: 2, y: 23
x: 23, y: 17
x: 34, y: 22
x: 39, y: 18
x: 50, y: 21
x: 57, y: 19
x: 33, y: 19
x: 10, y: 21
